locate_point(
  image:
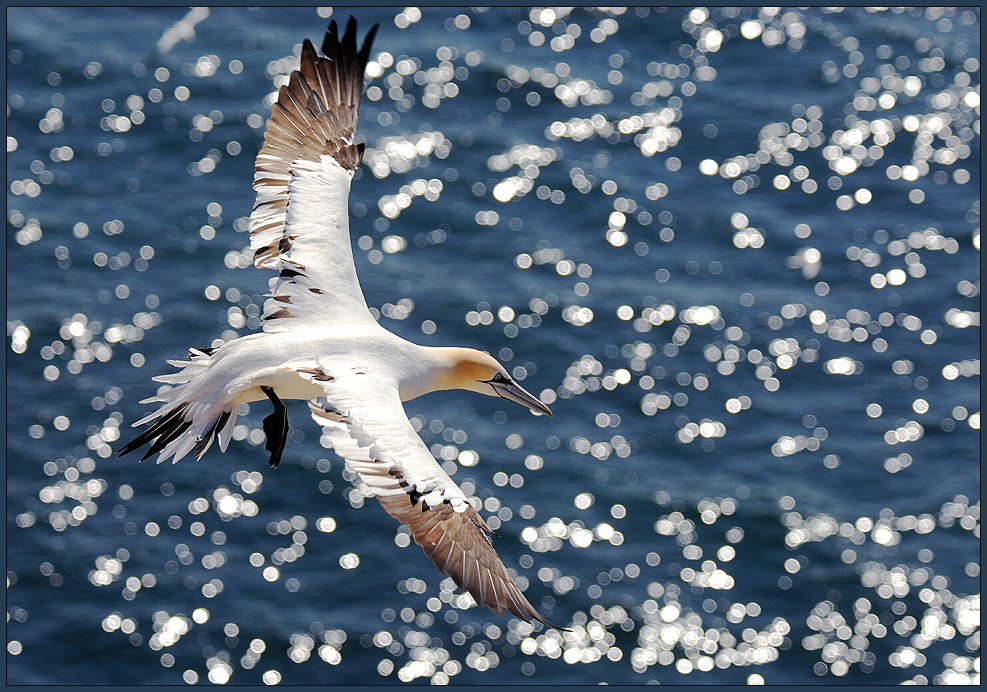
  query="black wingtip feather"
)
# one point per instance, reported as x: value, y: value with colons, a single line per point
x: 331, y: 38
x: 349, y: 36
x: 331, y: 43
x: 217, y: 426
x: 162, y: 426
x: 368, y: 41
x: 170, y: 427
x: 166, y: 437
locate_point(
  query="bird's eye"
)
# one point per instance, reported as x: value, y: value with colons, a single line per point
x: 499, y: 377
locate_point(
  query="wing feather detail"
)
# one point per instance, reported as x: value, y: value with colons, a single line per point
x: 367, y: 426
x: 300, y: 220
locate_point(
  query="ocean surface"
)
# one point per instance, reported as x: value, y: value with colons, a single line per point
x: 736, y: 250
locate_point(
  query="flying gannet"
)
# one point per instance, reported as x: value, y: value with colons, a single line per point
x: 321, y: 343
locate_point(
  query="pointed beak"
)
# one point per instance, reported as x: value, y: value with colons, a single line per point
x: 514, y: 392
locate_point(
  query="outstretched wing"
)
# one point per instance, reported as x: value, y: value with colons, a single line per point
x: 367, y: 426
x: 300, y: 223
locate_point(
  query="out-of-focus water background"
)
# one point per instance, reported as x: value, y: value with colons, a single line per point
x: 737, y: 251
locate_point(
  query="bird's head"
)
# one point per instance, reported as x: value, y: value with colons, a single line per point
x: 467, y: 368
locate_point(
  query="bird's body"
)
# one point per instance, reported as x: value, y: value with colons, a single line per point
x: 241, y: 367
x: 320, y: 342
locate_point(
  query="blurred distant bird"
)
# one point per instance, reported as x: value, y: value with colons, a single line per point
x: 321, y: 343
x: 182, y: 30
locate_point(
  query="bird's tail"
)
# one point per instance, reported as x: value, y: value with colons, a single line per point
x: 190, y: 417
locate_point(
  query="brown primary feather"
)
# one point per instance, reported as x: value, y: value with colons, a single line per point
x: 457, y: 543
x: 372, y: 443
x: 320, y: 104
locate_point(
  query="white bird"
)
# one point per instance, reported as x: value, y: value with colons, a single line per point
x: 321, y: 343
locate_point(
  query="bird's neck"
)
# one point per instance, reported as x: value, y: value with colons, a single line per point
x: 434, y: 371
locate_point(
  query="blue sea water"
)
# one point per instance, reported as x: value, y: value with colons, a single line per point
x: 737, y: 251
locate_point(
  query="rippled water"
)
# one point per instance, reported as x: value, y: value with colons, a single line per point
x: 738, y: 251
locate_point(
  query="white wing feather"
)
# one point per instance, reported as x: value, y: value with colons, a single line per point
x: 300, y: 223
x: 366, y: 425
